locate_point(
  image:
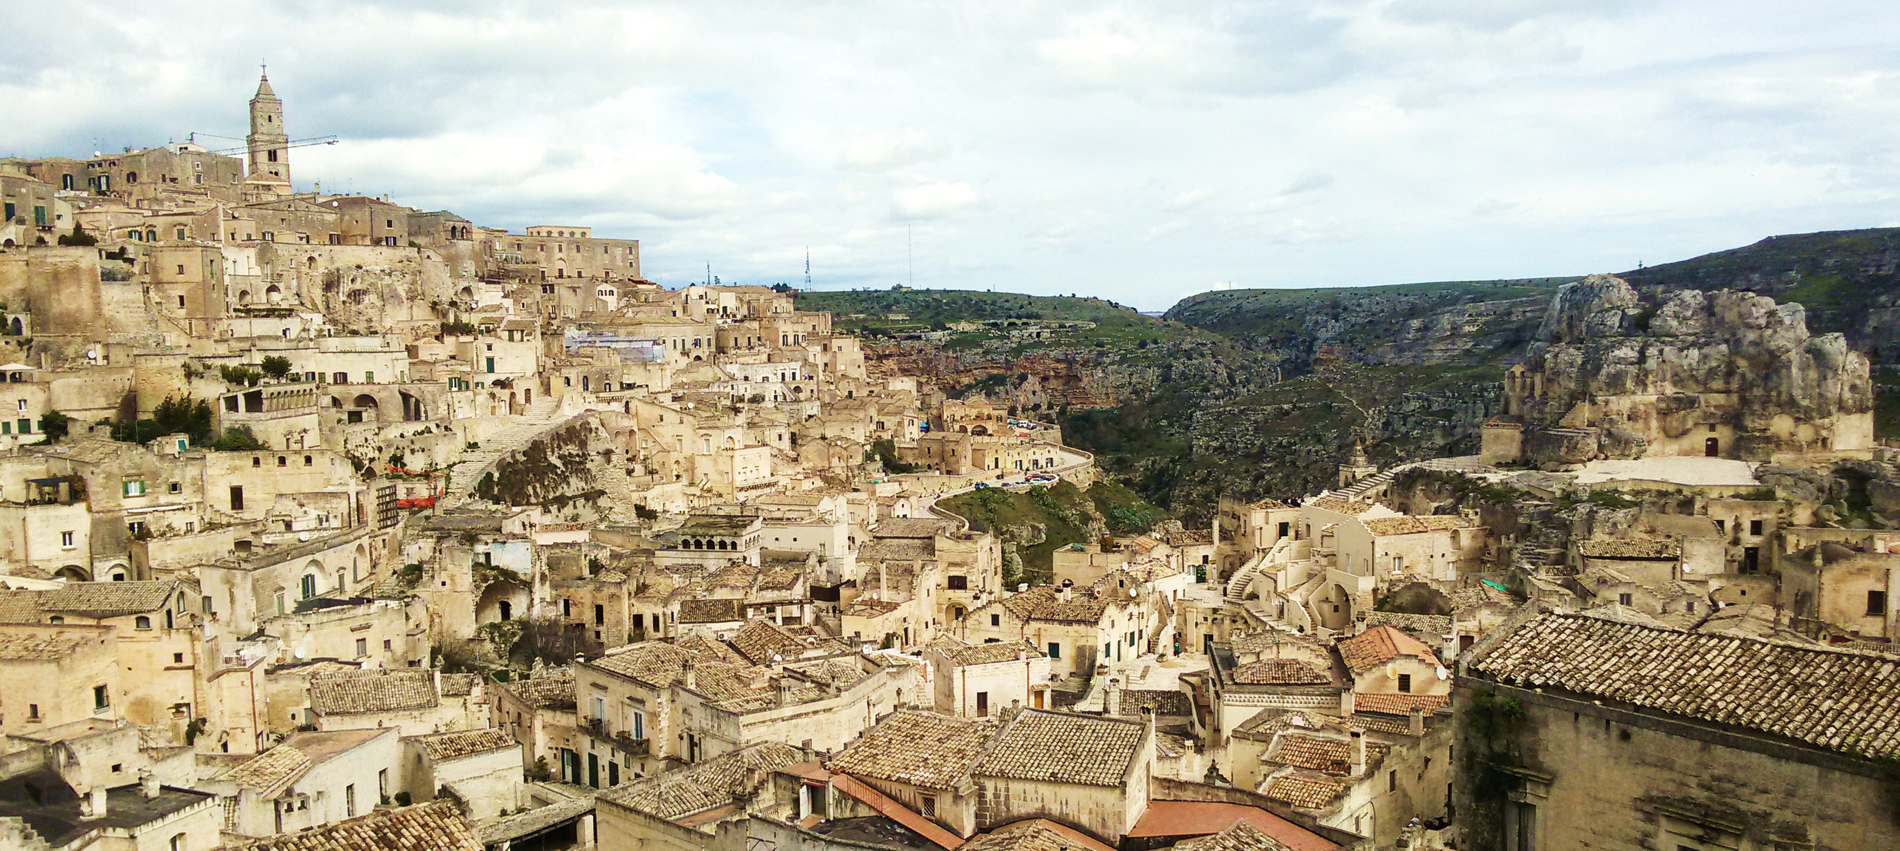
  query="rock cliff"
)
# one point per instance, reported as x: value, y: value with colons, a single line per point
x: 1692, y: 373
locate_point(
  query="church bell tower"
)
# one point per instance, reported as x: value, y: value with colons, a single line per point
x: 268, y: 144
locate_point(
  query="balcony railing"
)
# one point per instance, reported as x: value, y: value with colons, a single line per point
x: 622, y: 740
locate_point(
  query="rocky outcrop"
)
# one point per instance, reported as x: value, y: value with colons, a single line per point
x: 1667, y: 378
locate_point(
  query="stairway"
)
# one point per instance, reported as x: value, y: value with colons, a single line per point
x: 542, y: 416
x: 1237, y: 584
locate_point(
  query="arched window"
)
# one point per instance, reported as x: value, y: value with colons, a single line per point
x: 56, y: 620
x: 142, y: 622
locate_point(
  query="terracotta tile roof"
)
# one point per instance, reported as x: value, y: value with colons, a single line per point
x: 760, y: 640
x: 705, y: 648
x: 1063, y: 748
x: 897, y: 549
x: 1418, y: 626
x: 1033, y: 835
x: 360, y: 692
x: 1163, y: 701
x: 655, y: 663
x: 711, y: 611
x: 436, y: 826
x: 1631, y: 548
x: 17, y: 606
x: 271, y: 769
x: 1414, y: 524
x: 1307, y: 791
x: 1379, y: 645
x: 1268, y: 503
x: 867, y: 608
x: 1320, y: 753
x: 108, y: 599
x: 1340, y: 505
x: 918, y: 748
x: 1842, y: 701
x: 1181, y: 820
x: 459, y: 685
x: 551, y: 690
x: 1398, y: 704
x: 460, y: 743
x: 959, y: 654
x: 1241, y: 836
x: 1189, y: 537
x: 44, y: 644
x: 705, y: 785
x: 1281, y: 672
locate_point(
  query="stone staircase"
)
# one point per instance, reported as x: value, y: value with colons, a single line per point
x: 1377, y: 482
x: 542, y: 416
x: 1237, y: 584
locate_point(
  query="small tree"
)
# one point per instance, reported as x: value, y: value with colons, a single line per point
x: 79, y: 236
x: 55, y: 425
x: 276, y: 366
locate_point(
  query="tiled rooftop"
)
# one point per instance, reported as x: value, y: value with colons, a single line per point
x: 108, y: 599
x: 919, y: 748
x: 1842, y: 701
x: 704, y: 785
x: 1240, y: 836
x: 460, y: 743
x: 551, y: 690
x: 1320, y: 753
x: 1281, y: 672
x: 1382, y: 644
x: 1063, y: 748
x: 959, y: 654
x: 361, y: 692
x: 45, y: 644
x: 436, y: 826
x: 1415, y: 524
x: 1398, y: 704
x: 1308, y: 791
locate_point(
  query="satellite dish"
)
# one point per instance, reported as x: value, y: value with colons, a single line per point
x: 92, y: 354
x: 1443, y: 674
x: 1392, y: 670
x: 303, y: 536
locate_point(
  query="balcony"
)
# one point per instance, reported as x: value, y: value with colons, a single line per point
x: 600, y: 730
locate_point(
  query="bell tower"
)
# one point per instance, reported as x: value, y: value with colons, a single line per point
x: 268, y: 144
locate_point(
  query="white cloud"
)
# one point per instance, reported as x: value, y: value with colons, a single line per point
x: 1133, y: 150
x: 932, y: 200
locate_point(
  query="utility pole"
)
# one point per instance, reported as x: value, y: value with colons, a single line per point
x: 910, y: 265
x: 807, y: 267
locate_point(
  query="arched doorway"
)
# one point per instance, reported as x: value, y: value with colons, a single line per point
x: 72, y: 573
x: 365, y: 401
x: 1712, y: 447
x: 273, y: 294
x: 1334, y: 607
x: 16, y: 327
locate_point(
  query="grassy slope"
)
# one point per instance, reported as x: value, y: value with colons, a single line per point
x: 1062, y: 509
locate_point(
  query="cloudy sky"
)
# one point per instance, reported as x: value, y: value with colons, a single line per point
x: 1142, y: 152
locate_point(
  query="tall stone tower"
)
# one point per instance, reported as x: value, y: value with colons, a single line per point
x: 268, y: 143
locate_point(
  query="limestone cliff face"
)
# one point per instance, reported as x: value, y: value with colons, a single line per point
x: 1729, y: 367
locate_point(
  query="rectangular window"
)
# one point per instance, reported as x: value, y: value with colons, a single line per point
x: 1754, y: 527
x: 982, y: 704
x: 959, y: 583
x: 996, y: 620
x: 135, y: 488
x: 1055, y: 650
x: 26, y: 426
x: 1876, y: 604
x: 369, y: 377
x: 99, y: 699
x: 600, y: 615
x: 639, y: 725
x: 1405, y: 683
x: 1623, y: 599
x: 32, y: 712
x: 65, y: 539
x: 382, y: 783
x: 362, y: 647
x: 349, y: 800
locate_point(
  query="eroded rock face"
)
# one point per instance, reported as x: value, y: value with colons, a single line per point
x: 1729, y: 367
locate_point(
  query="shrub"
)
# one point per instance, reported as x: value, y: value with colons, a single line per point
x: 238, y: 439
x: 276, y: 366
x: 79, y: 236
x: 55, y: 426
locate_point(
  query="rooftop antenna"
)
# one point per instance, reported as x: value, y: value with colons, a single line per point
x: 910, y: 265
x: 807, y: 267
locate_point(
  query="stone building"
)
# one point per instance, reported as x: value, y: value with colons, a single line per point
x: 1561, y: 747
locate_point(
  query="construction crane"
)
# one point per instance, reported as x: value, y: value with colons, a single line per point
x: 294, y: 143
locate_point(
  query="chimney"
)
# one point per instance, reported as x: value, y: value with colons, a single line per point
x: 785, y: 691
x: 1416, y: 722
x: 1345, y: 703
x: 687, y: 674
x: 1358, y: 753
x: 1068, y: 590
x: 148, y: 783
x: 883, y: 582
x: 1148, y: 726
x: 1112, y: 697
x: 94, y: 804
